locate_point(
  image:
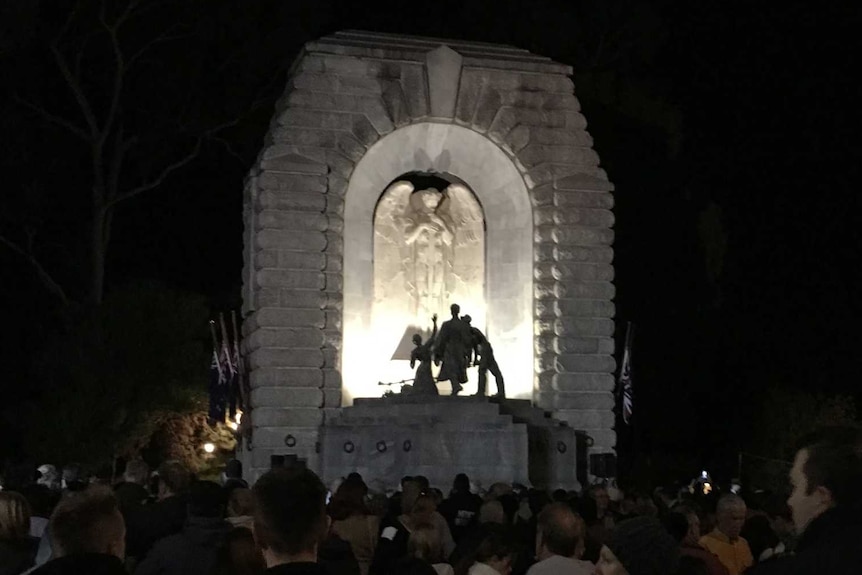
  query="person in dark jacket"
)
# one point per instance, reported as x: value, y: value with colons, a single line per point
x: 290, y: 520
x: 461, y: 507
x: 149, y: 523
x: 826, y: 504
x: 87, y: 535
x: 193, y: 550
x: 132, y: 491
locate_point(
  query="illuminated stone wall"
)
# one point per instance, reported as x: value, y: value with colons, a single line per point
x: 361, y: 110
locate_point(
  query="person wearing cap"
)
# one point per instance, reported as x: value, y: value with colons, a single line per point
x: 638, y: 546
x: 724, y: 541
x: 558, y: 532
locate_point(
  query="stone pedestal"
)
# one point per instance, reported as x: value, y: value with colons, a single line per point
x: 438, y: 437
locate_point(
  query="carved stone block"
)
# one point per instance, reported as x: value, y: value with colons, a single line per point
x: 584, y: 327
x: 302, y: 299
x: 300, y: 201
x: 285, y: 338
x: 286, y: 357
x: 286, y: 377
x: 292, y: 279
x: 288, y: 239
x: 276, y: 317
x: 292, y: 396
x: 291, y: 220
x: 288, y: 416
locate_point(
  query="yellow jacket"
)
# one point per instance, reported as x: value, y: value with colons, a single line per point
x: 735, y: 555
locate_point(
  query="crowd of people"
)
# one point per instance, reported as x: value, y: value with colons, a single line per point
x: 288, y: 522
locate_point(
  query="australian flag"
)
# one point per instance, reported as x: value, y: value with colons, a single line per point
x: 217, y: 389
x: 624, y: 382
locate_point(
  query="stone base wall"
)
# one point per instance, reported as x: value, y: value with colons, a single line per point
x: 345, y: 93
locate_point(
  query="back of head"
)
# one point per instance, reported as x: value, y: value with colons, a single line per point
x: 233, y: 469
x: 461, y: 484
x: 240, y: 502
x: 87, y: 521
x: 676, y: 524
x: 348, y: 500
x: 174, y: 476
x: 206, y: 499
x: 137, y: 471
x: 498, y: 489
x: 644, y: 547
x: 537, y: 500
x: 510, y: 505
x: 423, y: 509
x: 410, y: 491
x: 835, y: 462
x: 426, y: 543
x: 290, y: 511
x: 14, y: 516
x: 729, y: 502
x: 73, y: 477
x: 497, y: 544
x: 492, y: 512
x: 560, y: 529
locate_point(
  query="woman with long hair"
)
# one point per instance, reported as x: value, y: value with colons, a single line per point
x: 352, y: 521
x: 17, y: 548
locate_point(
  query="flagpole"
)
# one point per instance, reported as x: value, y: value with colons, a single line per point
x: 215, y: 338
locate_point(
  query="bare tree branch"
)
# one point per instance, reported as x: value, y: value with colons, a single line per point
x: 74, y: 85
x: 161, y: 39
x: 157, y: 181
x: 46, y: 279
x: 54, y: 119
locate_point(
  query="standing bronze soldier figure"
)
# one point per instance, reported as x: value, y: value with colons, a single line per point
x: 483, y: 356
x: 453, y: 346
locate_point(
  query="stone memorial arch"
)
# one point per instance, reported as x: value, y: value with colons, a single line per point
x: 345, y: 252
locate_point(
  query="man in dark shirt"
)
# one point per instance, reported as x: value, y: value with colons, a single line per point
x: 290, y: 520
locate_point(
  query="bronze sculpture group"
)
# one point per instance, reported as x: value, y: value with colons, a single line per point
x: 456, y: 344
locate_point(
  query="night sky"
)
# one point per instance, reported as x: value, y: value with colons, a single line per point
x: 730, y: 129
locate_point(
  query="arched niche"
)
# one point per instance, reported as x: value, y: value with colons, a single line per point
x: 503, y: 195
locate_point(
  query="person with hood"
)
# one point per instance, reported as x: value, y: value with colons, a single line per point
x: 193, y: 550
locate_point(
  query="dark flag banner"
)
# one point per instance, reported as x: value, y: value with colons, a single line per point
x: 217, y: 383
x: 231, y: 373
x: 624, y: 382
x: 241, y: 392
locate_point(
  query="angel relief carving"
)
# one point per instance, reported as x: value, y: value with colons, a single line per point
x: 429, y: 250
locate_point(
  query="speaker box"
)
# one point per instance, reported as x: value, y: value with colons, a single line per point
x: 603, y: 465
